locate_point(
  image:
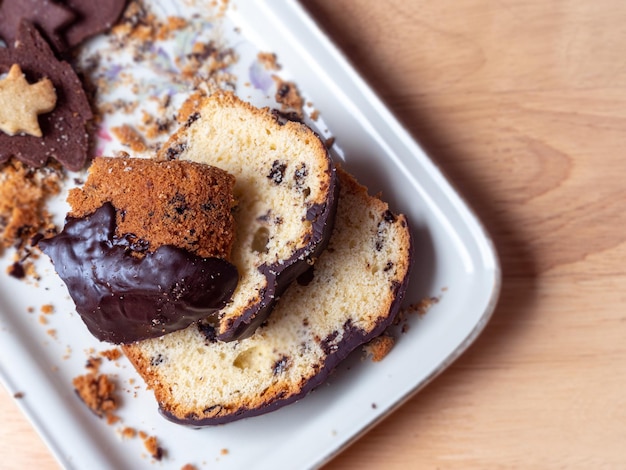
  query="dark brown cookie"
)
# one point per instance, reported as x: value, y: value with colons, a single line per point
x: 48, y: 16
x: 91, y: 18
x: 64, y: 129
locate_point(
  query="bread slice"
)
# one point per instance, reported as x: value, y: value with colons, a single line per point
x: 286, y: 191
x: 351, y: 296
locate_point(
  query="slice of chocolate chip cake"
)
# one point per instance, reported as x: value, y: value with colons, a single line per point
x: 350, y: 296
x: 286, y: 191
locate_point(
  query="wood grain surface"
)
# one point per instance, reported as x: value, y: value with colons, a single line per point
x: 523, y: 105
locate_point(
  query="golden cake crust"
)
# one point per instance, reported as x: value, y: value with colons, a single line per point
x: 185, y: 204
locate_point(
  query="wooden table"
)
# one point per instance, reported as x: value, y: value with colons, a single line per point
x: 523, y: 105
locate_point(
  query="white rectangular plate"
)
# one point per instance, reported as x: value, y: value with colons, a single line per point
x: 454, y: 261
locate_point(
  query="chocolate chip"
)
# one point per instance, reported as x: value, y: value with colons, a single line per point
x: 179, y: 203
x: 282, y: 117
x: 157, y: 360
x: 327, y: 344
x: 277, y: 173
x: 208, y: 206
x: 389, y: 216
x: 192, y: 117
x: 35, y: 239
x: 300, y: 174
x: 208, y: 331
x: 284, y: 90
x: 210, y: 409
x: 174, y: 151
x: 158, y: 453
x: 281, y: 365
x: 17, y: 271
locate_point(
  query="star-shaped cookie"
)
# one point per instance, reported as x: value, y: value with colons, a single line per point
x: 23, y: 102
x: 65, y: 136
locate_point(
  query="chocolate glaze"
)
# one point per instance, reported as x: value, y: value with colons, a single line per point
x: 352, y: 338
x: 280, y: 275
x: 123, y: 297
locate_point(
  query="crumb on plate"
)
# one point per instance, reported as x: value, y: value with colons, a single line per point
x: 379, y: 347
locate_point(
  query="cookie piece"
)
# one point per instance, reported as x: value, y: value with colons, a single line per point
x: 64, y: 130
x: 286, y: 190
x: 47, y: 15
x: 22, y: 102
x: 144, y: 250
x: 352, y: 295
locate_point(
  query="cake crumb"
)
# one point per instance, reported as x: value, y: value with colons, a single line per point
x: 18, y: 395
x: 47, y: 309
x: 379, y: 347
x: 422, y: 307
x: 128, y: 432
x: 189, y: 107
x: 97, y: 391
x: 24, y: 193
x: 130, y: 137
x: 16, y: 270
x: 93, y: 364
x: 172, y: 24
x: 111, y: 354
x: 224, y: 451
x: 68, y: 353
x: 152, y: 446
x: 188, y: 466
x: 288, y: 96
x: 268, y: 60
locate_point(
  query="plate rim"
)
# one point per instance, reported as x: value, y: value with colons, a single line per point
x: 487, y: 245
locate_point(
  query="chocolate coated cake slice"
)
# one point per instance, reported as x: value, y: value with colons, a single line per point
x: 352, y: 294
x: 286, y: 191
x: 145, y: 249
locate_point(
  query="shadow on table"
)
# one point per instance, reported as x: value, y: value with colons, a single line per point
x: 518, y: 266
